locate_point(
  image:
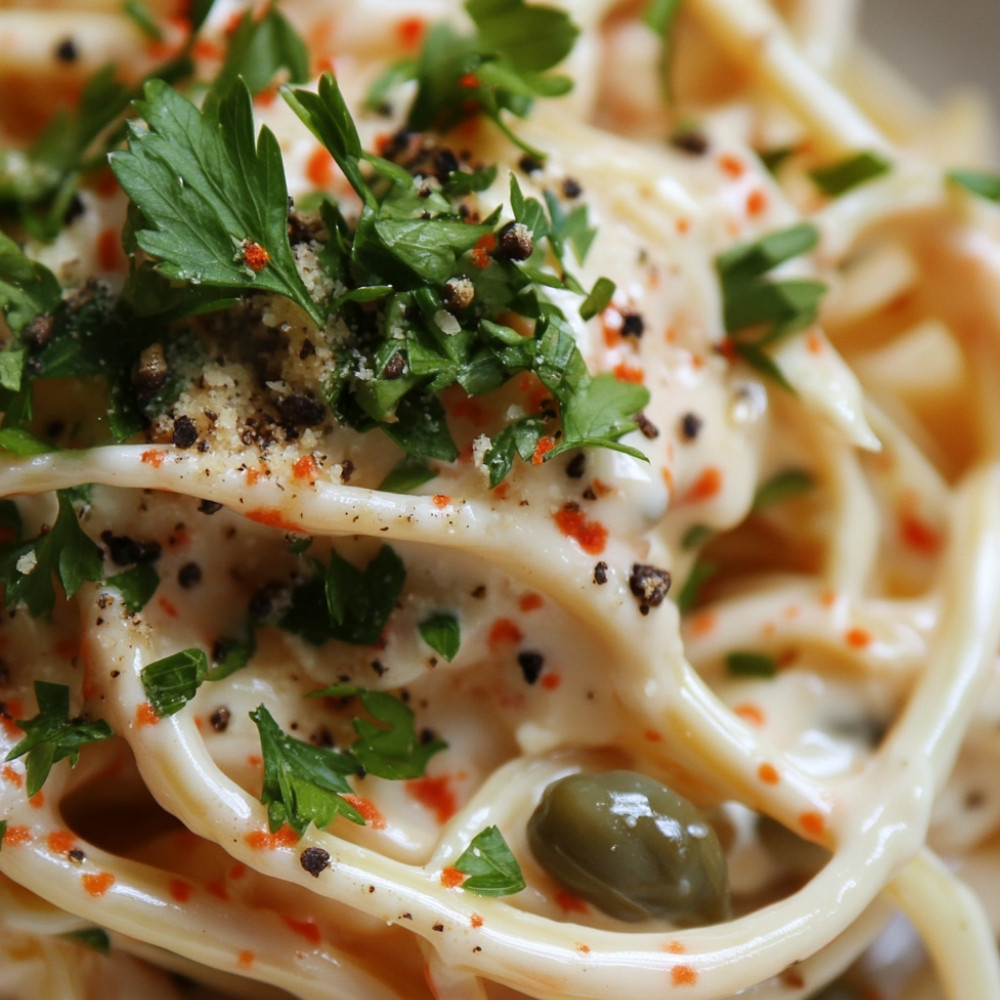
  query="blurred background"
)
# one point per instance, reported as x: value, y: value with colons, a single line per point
x: 939, y: 42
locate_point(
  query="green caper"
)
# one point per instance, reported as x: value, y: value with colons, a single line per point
x: 632, y: 847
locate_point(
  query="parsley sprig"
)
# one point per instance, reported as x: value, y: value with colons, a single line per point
x: 64, y: 552
x: 491, y: 866
x: 410, y: 241
x: 759, y: 312
x: 306, y: 784
x: 499, y: 69
x: 213, y: 201
x: 52, y: 735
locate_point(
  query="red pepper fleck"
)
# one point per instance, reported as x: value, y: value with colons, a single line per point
x: 321, y: 168
x: 245, y: 958
x: 731, y: 165
x: 97, y: 884
x: 476, y: 920
x: 110, y: 256
x: 145, y: 715
x: 550, y: 681
x: 60, y: 841
x: 12, y: 776
x: 569, y: 903
x: 305, y: 468
x: 410, y: 31
x: 204, y: 49
x: 591, y: 536
x: 180, y: 891
x: 918, y: 535
x: 168, y: 608
x: 153, y: 457
x: 858, y: 638
x: 750, y: 713
x: 436, y: 794
x: 503, y: 630
x: 813, y: 824
x: 544, y: 446
x: 273, y: 518
x: 469, y: 81
x: 768, y: 774
x: 15, y: 836
x: 218, y: 889
x: 683, y: 975
x: 675, y: 948
x: 481, y: 252
x: 255, y: 256
x: 304, y: 928
x: 756, y: 202
x: 37, y: 801
x: 441, y: 500
x: 706, y: 486
x: 452, y: 877
x: 368, y: 810
x: 653, y: 736
x: 531, y: 602
x: 629, y: 373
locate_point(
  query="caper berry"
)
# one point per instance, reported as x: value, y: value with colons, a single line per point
x: 632, y: 847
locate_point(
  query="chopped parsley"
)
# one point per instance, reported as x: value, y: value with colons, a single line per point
x: 837, y: 178
x: 740, y: 663
x: 759, y: 312
x: 306, y: 784
x: 303, y: 783
x: 498, y: 70
x: 65, y: 552
x: 979, y: 182
x: 782, y: 486
x: 94, y: 938
x: 388, y: 745
x: 491, y: 866
x: 52, y: 735
x: 700, y: 573
x: 442, y: 633
x: 170, y: 683
x: 137, y: 585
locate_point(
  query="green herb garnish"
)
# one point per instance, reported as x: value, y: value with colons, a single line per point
x: 172, y: 682
x: 64, y: 551
x: 491, y: 866
x: 52, y: 735
x: 137, y: 585
x: 985, y: 185
x: 701, y: 572
x: 94, y: 938
x: 303, y: 783
x: 389, y: 746
x: 782, y: 486
x: 442, y: 633
x: 744, y: 664
x: 758, y: 312
x: 838, y: 178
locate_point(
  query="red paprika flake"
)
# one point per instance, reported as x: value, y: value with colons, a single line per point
x: 591, y: 536
x: 255, y: 256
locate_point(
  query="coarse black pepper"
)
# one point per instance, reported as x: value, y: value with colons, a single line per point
x: 209, y: 506
x: 189, y: 575
x: 458, y: 292
x: 633, y: 325
x: 76, y: 855
x: 601, y: 573
x: 185, y: 433
x: 690, y: 140
x: 302, y: 410
x: 515, y: 241
x: 125, y: 551
x: 576, y: 465
x: 649, y: 584
x: 646, y: 426
x: 395, y: 367
x: 571, y: 188
x: 315, y: 860
x: 66, y: 51
x: 691, y: 425
x: 346, y: 470
x: 531, y: 664
x: 219, y: 719
x: 149, y: 374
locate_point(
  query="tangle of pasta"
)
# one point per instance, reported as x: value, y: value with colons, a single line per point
x: 828, y: 696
